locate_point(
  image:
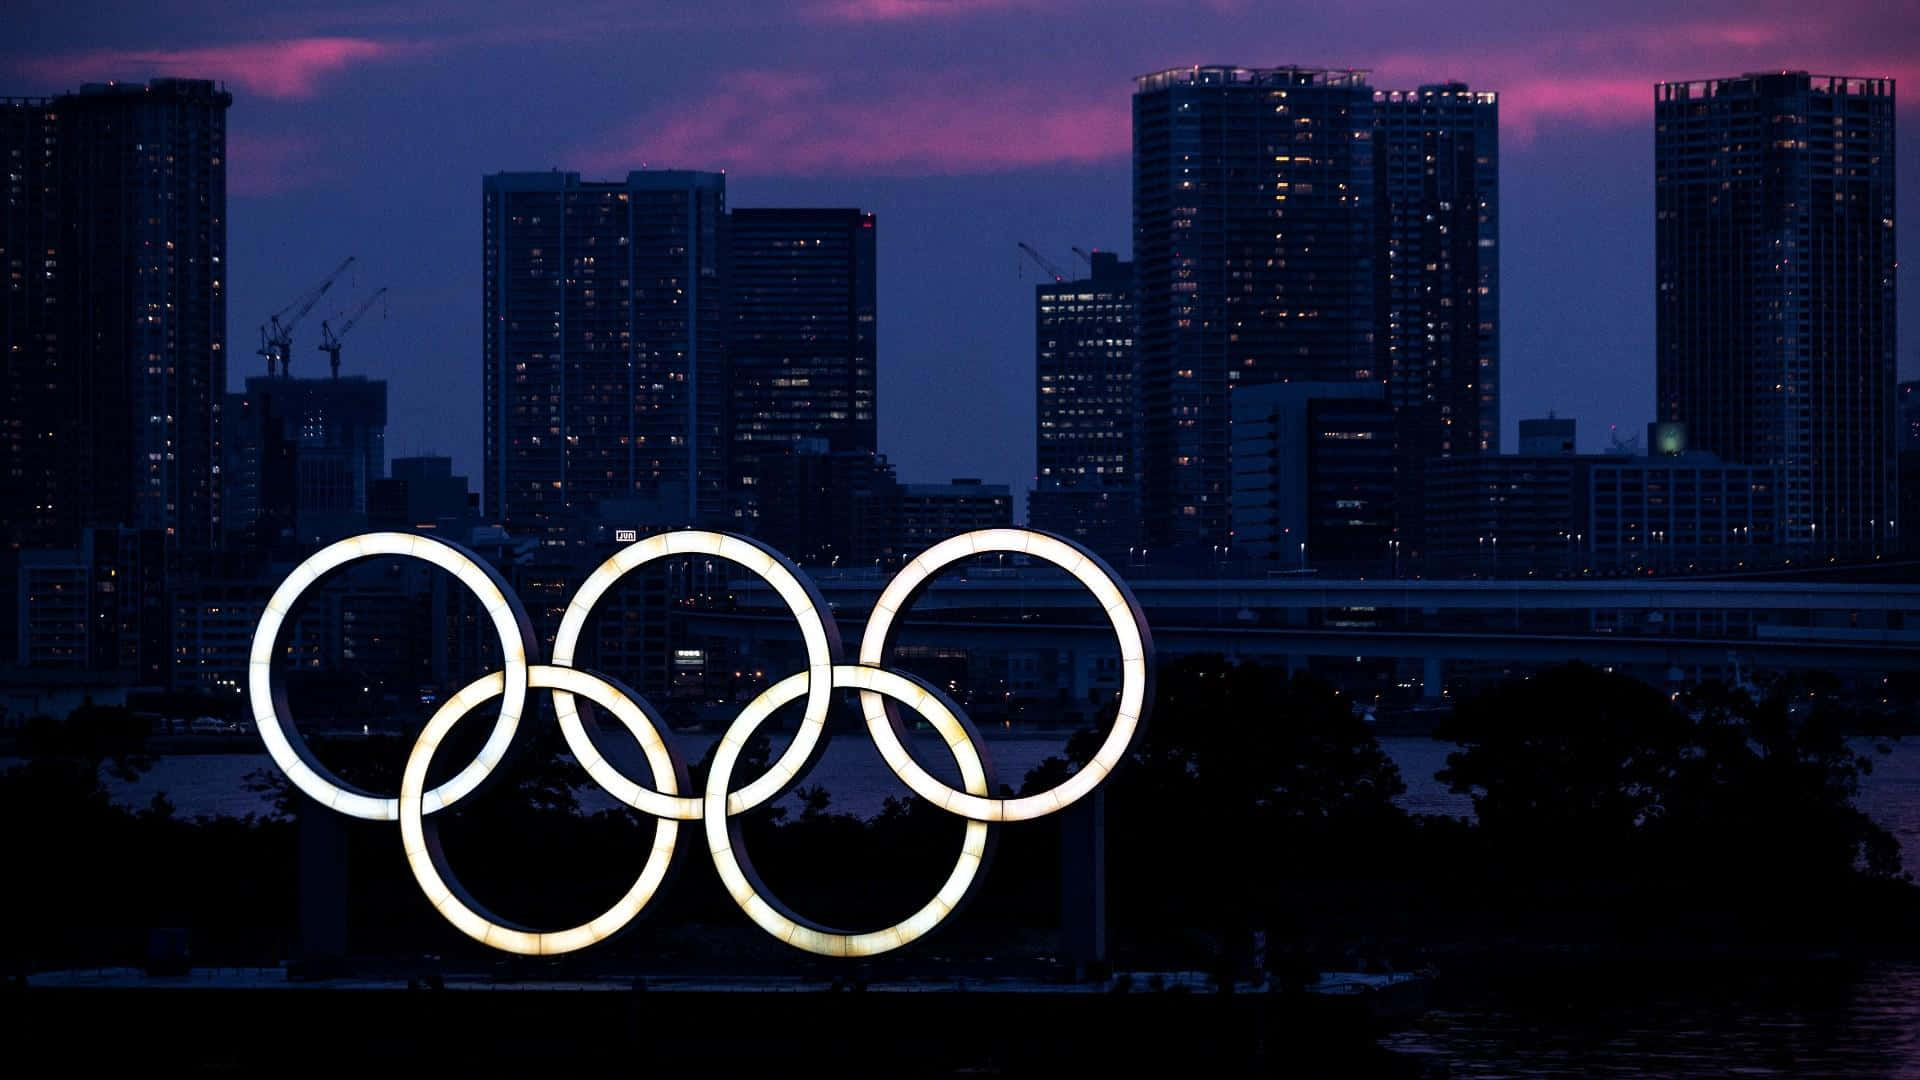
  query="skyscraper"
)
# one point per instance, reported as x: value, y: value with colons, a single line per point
x: 1439, y: 155
x: 603, y: 349
x: 1084, y: 409
x: 801, y: 339
x: 1774, y: 263
x: 1255, y: 225
x: 113, y: 239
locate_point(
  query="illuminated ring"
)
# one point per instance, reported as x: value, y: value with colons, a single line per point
x: 1136, y: 662
x: 422, y: 844
x: 268, y: 696
x: 817, y: 629
x: 730, y: 855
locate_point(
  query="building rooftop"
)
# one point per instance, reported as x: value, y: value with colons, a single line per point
x: 1749, y: 83
x: 1234, y: 75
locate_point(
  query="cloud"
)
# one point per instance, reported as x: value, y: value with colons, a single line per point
x: 287, y: 69
x: 781, y: 123
x: 1604, y: 78
x: 882, y: 11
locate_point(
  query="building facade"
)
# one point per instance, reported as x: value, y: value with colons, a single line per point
x: 423, y: 493
x: 1774, y: 254
x: 604, y: 362
x: 930, y: 513
x: 1439, y: 154
x: 304, y: 454
x: 1313, y: 476
x: 113, y: 237
x: 802, y: 350
x: 1520, y: 515
x: 1084, y: 409
x: 1672, y: 513
x: 99, y: 606
x: 1255, y: 229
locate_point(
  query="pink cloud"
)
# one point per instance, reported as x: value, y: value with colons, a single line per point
x: 861, y: 11
x: 1605, y: 78
x: 290, y: 69
x: 790, y: 124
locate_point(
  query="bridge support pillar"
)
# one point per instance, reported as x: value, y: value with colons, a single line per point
x: 1432, y: 679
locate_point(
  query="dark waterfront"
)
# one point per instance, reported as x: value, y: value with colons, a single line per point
x: 1533, y: 1015
x: 859, y: 783
x: 1780, y: 1018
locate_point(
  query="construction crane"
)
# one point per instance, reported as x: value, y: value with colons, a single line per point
x: 1041, y: 261
x: 276, y: 334
x: 1084, y: 257
x: 330, y: 339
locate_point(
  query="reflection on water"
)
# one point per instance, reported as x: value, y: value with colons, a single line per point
x: 1800, y: 1023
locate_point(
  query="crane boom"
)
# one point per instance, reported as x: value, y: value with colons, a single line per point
x: 1042, y: 262
x: 1084, y: 257
x: 330, y: 338
x: 276, y: 334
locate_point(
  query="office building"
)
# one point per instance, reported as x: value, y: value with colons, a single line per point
x: 113, y: 312
x: 1313, y: 477
x: 930, y: 513
x: 1774, y: 262
x: 1495, y: 515
x: 826, y: 507
x: 304, y: 454
x: 423, y: 493
x: 1675, y: 512
x: 1255, y: 227
x: 604, y: 364
x: 802, y: 354
x: 1084, y: 408
x: 1554, y: 512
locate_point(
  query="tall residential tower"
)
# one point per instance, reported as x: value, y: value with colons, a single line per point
x: 1774, y: 264
x: 1255, y: 221
x: 113, y: 315
x: 801, y: 345
x: 603, y: 349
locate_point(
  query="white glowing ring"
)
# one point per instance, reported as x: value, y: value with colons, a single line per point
x: 818, y: 631
x: 730, y: 857
x: 290, y: 752
x: 879, y: 690
x: 423, y: 848
x: 1115, y: 599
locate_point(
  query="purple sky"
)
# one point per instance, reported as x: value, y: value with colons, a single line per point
x: 967, y: 125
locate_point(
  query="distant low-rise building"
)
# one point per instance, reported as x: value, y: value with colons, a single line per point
x: 1313, y: 476
x: 423, y: 493
x: 95, y: 607
x: 929, y: 513
x: 1670, y: 511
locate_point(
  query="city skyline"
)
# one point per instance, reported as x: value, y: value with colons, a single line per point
x: 1577, y: 186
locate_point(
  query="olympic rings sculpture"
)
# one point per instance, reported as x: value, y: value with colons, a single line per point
x: 882, y: 692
